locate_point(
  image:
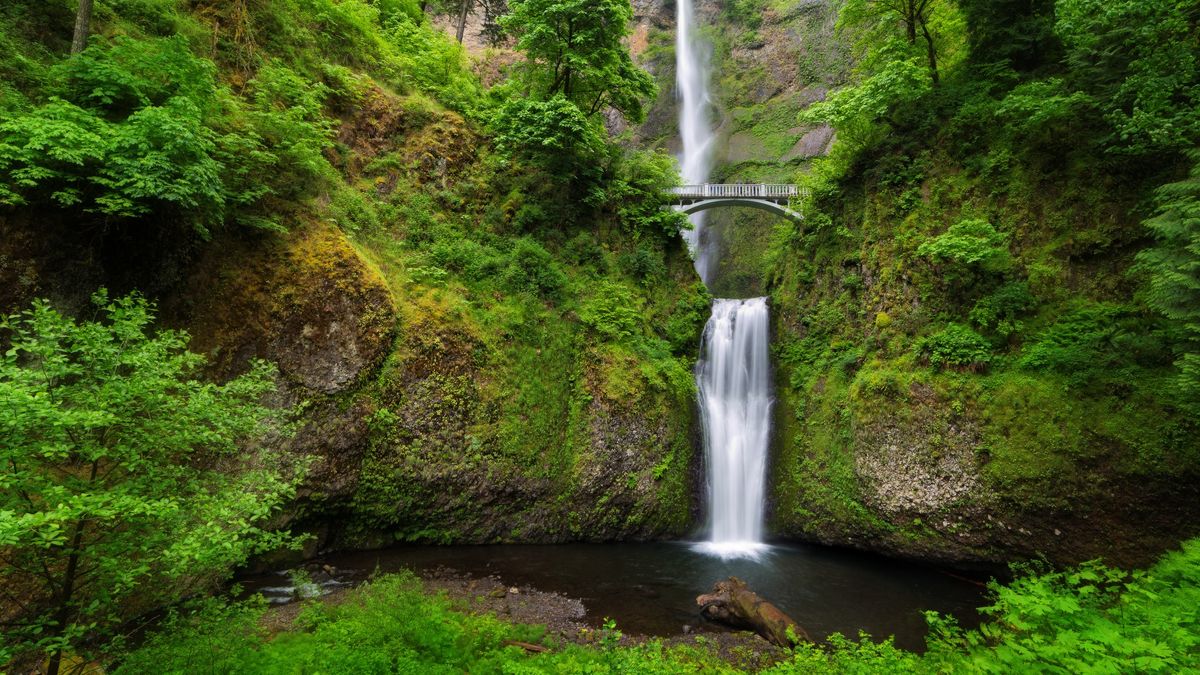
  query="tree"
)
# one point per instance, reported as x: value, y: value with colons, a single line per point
x: 1138, y: 60
x: 914, y: 17
x: 493, y: 10
x: 1019, y: 33
x: 1172, y: 268
x: 83, y: 26
x: 462, y: 9
x: 127, y: 482
x: 553, y: 134
x: 575, y: 49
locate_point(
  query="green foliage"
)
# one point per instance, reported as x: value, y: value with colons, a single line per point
x: 131, y: 142
x: 430, y: 60
x: 391, y: 626
x: 141, y: 129
x: 639, y: 180
x: 999, y: 313
x: 112, y: 498
x: 1011, y: 34
x: 1138, y: 58
x: 613, y: 311
x: 1089, y: 619
x: 1042, y: 112
x: 859, y: 111
x: 969, y: 246
x: 575, y: 49
x: 531, y: 269
x: 1172, y: 269
x: 1080, y: 344
x: 288, y: 121
x: 957, y: 346
x: 555, y: 134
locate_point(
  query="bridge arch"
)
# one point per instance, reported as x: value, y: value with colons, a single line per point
x: 691, y: 199
x: 763, y: 205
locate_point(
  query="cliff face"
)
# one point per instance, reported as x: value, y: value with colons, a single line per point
x: 876, y: 447
x: 447, y: 388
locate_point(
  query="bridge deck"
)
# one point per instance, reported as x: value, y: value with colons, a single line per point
x: 764, y: 191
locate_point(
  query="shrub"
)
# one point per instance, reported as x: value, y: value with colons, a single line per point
x: 127, y: 483
x: 1091, y: 619
x: 999, y: 312
x: 956, y: 346
x: 643, y: 264
x: 1080, y: 344
x: 613, y: 311
x: 553, y: 134
x: 1172, y: 271
x: 968, y: 247
x: 141, y: 128
x: 531, y: 269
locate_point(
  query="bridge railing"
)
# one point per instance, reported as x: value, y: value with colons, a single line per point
x: 751, y: 190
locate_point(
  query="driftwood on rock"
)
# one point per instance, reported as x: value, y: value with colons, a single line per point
x: 732, y: 603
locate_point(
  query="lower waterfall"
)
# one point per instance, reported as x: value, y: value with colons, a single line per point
x: 733, y: 377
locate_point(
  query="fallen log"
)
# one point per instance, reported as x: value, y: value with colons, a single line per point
x: 733, y: 604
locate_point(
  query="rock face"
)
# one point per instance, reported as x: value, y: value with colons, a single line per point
x: 306, y: 302
x: 443, y: 464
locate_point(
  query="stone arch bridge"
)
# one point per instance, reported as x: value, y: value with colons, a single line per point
x: 691, y: 199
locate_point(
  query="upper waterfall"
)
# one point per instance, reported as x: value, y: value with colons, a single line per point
x: 695, y: 123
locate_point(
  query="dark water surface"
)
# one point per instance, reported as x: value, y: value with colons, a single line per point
x: 651, y: 589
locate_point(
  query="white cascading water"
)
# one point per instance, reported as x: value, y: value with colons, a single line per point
x: 734, y: 382
x: 695, y: 124
x: 733, y: 375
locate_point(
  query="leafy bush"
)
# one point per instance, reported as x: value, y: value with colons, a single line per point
x: 287, y: 119
x: 1080, y: 344
x: 531, y: 269
x: 969, y: 246
x: 643, y: 264
x: 613, y: 311
x: 636, y: 191
x: 1090, y: 619
x: 141, y: 128
x: 112, y: 502
x: 1138, y: 59
x: 583, y: 249
x: 554, y: 134
x: 956, y: 346
x: 1172, y: 269
x: 999, y: 313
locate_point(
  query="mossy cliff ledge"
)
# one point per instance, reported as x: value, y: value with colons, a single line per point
x: 452, y: 393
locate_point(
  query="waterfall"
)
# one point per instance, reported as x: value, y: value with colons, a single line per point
x: 734, y: 382
x: 695, y: 125
x: 733, y: 374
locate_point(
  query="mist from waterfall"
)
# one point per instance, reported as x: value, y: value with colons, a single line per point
x: 695, y: 123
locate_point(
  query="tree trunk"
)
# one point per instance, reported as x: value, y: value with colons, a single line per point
x: 83, y: 25
x: 732, y: 603
x: 69, y: 581
x: 462, y: 18
x: 932, y: 53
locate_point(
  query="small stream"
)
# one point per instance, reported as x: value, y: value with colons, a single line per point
x: 651, y: 589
